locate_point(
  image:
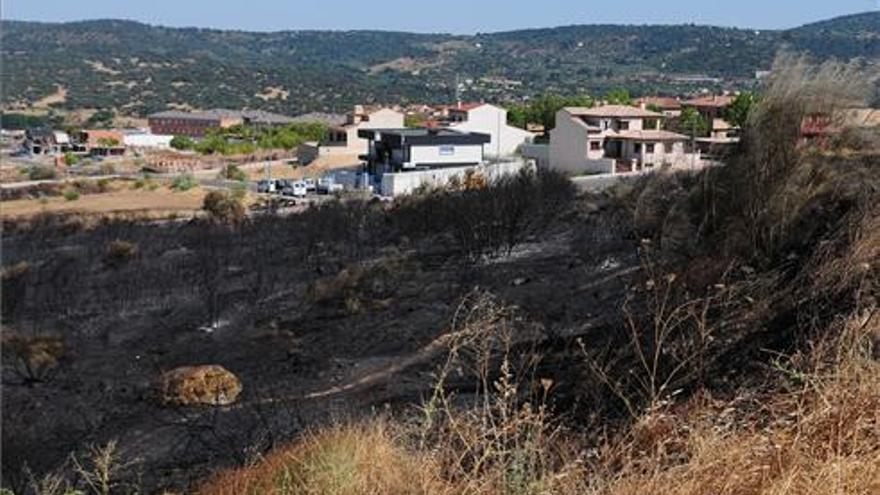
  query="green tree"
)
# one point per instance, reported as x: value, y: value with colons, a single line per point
x: 71, y: 159
x: 542, y: 110
x: 413, y: 121
x: 182, y: 143
x: 692, y: 123
x: 516, y: 116
x: 108, y: 142
x: 738, y: 111
x: 618, y: 96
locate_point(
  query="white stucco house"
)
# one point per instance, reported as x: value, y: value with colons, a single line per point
x: 504, y: 140
x: 613, y: 139
x: 343, y: 139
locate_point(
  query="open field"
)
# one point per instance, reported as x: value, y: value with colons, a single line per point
x: 159, y: 202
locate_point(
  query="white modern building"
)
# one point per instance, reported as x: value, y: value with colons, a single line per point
x: 400, y: 161
x: 504, y: 140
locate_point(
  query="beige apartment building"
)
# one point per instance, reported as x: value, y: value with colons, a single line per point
x: 613, y: 139
x: 343, y: 140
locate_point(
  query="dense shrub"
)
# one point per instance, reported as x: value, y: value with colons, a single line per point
x: 232, y: 172
x: 42, y: 173
x: 71, y: 195
x: 184, y: 183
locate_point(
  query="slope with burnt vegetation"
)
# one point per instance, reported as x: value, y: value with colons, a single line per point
x: 709, y: 333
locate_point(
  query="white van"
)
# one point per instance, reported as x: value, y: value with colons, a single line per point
x: 296, y: 189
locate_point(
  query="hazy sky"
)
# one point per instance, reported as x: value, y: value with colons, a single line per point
x: 456, y: 16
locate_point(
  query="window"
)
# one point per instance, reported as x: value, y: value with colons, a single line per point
x: 651, y: 124
x: 649, y: 147
x: 637, y: 147
x: 623, y: 125
x: 667, y: 147
x: 595, y: 145
x: 447, y: 150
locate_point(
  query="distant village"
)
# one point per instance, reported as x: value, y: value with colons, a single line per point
x: 395, y: 150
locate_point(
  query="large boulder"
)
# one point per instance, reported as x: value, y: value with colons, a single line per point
x: 199, y: 385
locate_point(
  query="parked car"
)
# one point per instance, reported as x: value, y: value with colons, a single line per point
x: 326, y: 185
x: 296, y: 189
x: 270, y: 185
x: 310, y: 184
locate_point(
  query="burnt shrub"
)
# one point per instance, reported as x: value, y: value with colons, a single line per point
x: 223, y: 207
x: 14, y: 281
x: 119, y: 252
x: 490, y: 220
x: 34, y: 359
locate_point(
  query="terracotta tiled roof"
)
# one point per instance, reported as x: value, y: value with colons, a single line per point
x: 664, y: 102
x: 649, y: 135
x: 709, y: 101
x: 94, y: 137
x: 619, y: 111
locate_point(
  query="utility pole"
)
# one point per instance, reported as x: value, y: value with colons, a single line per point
x: 498, y: 139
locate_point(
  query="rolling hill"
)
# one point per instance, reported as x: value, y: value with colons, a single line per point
x: 135, y: 68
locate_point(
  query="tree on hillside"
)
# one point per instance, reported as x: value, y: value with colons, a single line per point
x: 101, y: 118
x: 618, y: 96
x: 738, y: 111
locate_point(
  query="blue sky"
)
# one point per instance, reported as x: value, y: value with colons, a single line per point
x: 456, y: 16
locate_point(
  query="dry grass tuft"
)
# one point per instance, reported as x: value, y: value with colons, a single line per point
x: 365, y: 458
x: 823, y: 437
x: 192, y: 385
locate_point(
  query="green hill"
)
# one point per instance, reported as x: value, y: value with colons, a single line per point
x: 136, y: 68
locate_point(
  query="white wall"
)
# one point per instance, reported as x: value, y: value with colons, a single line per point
x: 505, y: 139
x: 160, y: 141
x: 384, y: 118
x: 461, y: 153
x: 400, y: 183
x: 538, y: 152
x: 675, y: 157
x: 569, y: 147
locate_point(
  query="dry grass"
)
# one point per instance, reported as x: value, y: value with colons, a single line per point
x: 820, y: 436
x: 823, y: 437
x: 315, y: 169
x: 367, y: 458
x: 159, y: 202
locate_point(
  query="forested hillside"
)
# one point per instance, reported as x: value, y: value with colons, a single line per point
x: 136, y: 68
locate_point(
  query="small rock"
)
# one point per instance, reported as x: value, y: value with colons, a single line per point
x: 195, y: 385
x: 519, y: 281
